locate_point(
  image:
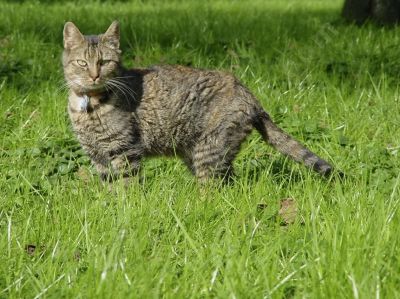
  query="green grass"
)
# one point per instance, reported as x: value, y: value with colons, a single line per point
x: 332, y: 85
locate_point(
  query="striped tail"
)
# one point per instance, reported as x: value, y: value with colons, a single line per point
x: 287, y: 145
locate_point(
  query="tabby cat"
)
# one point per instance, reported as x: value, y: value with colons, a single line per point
x: 202, y: 116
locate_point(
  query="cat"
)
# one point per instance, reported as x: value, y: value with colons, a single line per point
x: 202, y: 116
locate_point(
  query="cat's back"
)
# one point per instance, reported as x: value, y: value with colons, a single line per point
x: 173, y: 90
x: 184, y: 77
x: 174, y: 86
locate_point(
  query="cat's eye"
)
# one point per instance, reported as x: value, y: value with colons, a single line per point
x: 104, y: 62
x: 81, y: 63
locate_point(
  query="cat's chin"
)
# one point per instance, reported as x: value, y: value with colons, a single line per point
x: 90, y: 89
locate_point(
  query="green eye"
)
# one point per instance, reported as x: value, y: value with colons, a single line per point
x: 81, y: 63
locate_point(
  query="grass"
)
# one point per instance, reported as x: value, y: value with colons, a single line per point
x: 334, y: 86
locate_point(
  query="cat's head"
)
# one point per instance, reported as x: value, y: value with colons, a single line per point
x: 90, y: 61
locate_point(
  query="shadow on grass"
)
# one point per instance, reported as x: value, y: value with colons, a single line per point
x: 210, y: 31
x: 280, y: 170
x: 197, y: 26
x: 251, y: 34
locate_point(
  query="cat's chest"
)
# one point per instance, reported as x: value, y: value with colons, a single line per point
x: 98, y: 124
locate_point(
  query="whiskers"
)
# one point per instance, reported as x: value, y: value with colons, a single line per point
x: 117, y: 84
x: 65, y: 86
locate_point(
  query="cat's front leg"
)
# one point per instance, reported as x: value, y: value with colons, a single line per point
x: 119, y: 167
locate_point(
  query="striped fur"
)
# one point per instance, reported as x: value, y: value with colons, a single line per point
x: 203, y: 116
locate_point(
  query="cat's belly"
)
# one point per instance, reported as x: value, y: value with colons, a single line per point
x: 167, y: 137
x: 168, y: 128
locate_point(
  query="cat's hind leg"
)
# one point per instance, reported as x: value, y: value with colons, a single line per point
x: 215, y: 151
x: 211, y: 160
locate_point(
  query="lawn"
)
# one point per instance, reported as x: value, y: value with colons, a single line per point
x: 332, y: 85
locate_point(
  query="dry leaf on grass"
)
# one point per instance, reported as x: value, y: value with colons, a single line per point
x: 77, y: 255
x: 261, y: 206
x: 84, y: 174
x: 30, y: 249
x: 288, y: 210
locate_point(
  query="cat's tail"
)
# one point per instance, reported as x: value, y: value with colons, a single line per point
x: 289, y: 146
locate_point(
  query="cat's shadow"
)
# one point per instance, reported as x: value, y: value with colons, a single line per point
x: 134, y: 93
x: 281, y: 171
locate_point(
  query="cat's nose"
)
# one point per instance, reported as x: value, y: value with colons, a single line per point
x: 94, y: 74
x: 94, y: 77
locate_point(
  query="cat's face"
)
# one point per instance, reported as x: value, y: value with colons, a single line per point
x: 90, y: 61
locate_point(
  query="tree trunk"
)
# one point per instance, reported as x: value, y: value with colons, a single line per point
x: 381, y: 11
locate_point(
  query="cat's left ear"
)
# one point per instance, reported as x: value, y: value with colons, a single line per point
x: 111, y: 37
x: 72, y: 36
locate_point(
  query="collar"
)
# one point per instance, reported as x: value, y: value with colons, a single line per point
x: 91, y: 100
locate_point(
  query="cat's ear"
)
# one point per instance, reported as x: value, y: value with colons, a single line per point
x: 72, y: 36
x: 111, y: 37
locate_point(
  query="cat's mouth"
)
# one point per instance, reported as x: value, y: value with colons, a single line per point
x: 94, y: 87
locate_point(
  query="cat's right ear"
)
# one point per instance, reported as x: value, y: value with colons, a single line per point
x: 72, y: 36
x: 111, y: 37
